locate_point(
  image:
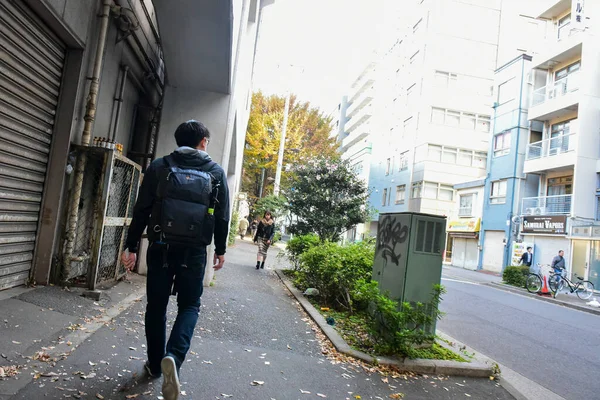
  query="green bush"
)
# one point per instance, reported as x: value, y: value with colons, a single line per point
x: 334, y: 270
x: 400, y: 325
x: 515, y: 275
x: 233, y: 228
x: 297, y: 245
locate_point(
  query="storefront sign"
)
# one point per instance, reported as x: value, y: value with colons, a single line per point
x: 577, y: 10
x: 545, y: 224
x: 464, y: 225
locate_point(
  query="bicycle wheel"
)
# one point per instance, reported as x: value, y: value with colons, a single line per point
x: 555, y: 284
x: 585, y: 290
x: 533, y: 283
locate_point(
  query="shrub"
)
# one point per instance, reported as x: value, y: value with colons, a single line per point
x: 298, y: 245
x: 400, y: 325
x: 335, y: 270
x: 233, y: 228
x: 515, y: 275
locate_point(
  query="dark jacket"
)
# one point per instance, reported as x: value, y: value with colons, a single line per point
x: 265, y: 231
x: 524, y: 260
x: 558, y: 262
x: 185, y: 158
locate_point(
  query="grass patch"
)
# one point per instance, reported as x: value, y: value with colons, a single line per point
x: 356, y: 331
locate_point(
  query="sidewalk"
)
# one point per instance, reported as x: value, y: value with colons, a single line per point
x: 250, y: 331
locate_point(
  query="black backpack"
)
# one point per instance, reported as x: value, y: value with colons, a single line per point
x: 183, y: 213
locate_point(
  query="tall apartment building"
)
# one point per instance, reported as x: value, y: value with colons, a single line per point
x: 437, y: 86
x: 355, y: 129
x: 564, y: 154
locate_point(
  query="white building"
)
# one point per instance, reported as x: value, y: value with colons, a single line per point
x: 565, y: 153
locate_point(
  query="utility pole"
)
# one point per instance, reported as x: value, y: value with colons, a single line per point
x: 286, y: 111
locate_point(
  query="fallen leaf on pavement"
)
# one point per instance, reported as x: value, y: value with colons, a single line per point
x: 321, y: 395
x: 15, y: 342
x: 385, y: 380
x: 132, y: 396
x: 397, y: 396
x: 257, y: 383
x: 226, y: 395
x: 304, y: 391
x: 99, y: 396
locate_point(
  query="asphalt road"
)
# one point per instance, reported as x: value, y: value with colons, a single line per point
x: 556, y: 347
x: 250, y: 329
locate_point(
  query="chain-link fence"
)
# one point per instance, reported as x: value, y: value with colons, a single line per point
x: 109, y: 184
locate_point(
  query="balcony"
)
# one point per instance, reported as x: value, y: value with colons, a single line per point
x: 555, y: 100
x: 362, y: 87
x: 548, y: 154
x: 559, y: 49
x: 354, y: 138
x: 547, y: 205
x: 360, y: 103
x: 357, y: 121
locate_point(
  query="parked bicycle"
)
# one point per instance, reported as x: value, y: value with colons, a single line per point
x: 583, y: 289
x: 534, y: 280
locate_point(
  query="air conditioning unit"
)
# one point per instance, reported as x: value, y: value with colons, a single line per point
x: 529, y: 211
x: 539, y: 211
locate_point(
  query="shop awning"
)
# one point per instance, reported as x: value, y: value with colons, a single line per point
x: 464, y: 226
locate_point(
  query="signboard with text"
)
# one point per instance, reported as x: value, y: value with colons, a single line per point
x: 544, y: 224
x: 517, y: 251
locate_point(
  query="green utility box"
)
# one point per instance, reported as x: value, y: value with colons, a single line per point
x: 408, y: 255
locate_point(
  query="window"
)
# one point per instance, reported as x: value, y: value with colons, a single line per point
x: 384, y: 197
x: 434, y: 153
x: 563, y: 26
x: 416, y: 190
x: 498, y: 193
x: 468, y: 121
x: 389, y: 166
x: 430, y: 190
x: 449, y: 155
x: 452, y: 155
x: 502, y: 144
x: 506, y: 91
x: 483, y: 123
x: 400, y: 194
x: 403, y: 161
x: 445, y: 79
x: 466, y: 205
x: 562, y: 73
x: 438, y: 115
x: 460, y: 119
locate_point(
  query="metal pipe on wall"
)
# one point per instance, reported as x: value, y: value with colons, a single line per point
x: 119, y: 101
x: 90, y: 116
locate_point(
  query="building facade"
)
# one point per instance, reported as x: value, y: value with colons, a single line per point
x: 128, y: 71
x: 434, y: 131
x: 506, y: 183
x: 563, y: 153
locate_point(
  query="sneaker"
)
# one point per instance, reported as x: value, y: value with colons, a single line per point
x: 149, y: 372
x: 170, y: 387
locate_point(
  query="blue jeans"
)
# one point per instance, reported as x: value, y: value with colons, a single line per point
x: 172, y: 270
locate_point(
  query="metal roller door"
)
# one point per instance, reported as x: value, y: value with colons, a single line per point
x: 31, y: 66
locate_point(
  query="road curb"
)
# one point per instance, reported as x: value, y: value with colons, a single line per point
x: 511, y: 289
x: 421, y: 366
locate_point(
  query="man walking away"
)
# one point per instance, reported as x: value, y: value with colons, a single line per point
x: 184, y: 201
x: 243, y: 227
x: 527, y: 257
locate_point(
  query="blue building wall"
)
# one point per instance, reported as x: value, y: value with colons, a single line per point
x: 511, y: 115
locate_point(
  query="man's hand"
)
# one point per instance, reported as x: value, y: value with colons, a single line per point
x: 218, y: 262
x: 268, y: 242
x: 128, y: 259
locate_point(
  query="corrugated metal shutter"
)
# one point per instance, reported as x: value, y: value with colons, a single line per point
x: 31, y: 66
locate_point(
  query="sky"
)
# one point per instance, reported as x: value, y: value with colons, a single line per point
x: 315, y: 48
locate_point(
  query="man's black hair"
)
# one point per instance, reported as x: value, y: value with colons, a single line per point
x: 529, y: 248
x: 191, y: 133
